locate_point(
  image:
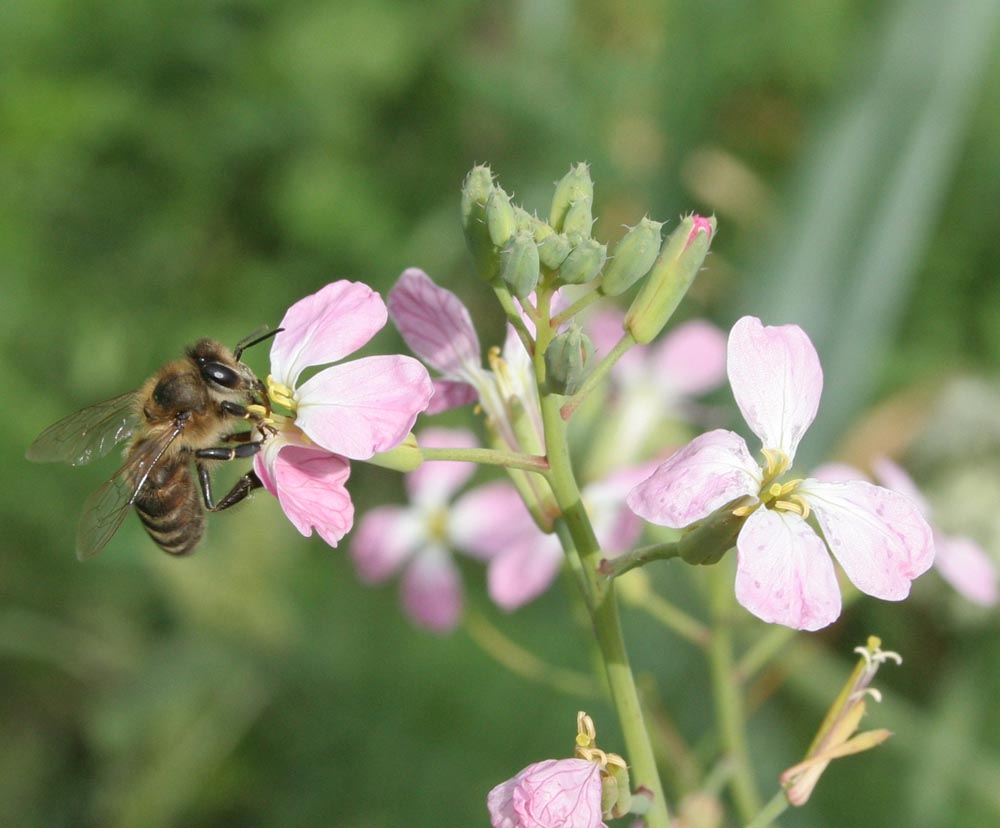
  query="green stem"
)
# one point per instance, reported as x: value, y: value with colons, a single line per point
x: 770, y: 812
x: 524, y: 663
x: 603, y: 609
x: 489, y: 457
x: 600, y: 370
x: 727, y: 690
x: 584, y: 301
x: 513, y: 315
x: 613, y: 567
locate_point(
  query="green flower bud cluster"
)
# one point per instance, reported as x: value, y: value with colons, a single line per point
x: 518, y: 250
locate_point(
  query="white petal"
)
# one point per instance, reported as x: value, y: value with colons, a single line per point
x: 879, y: 536
x: 784, y: 574
x: 776, y: 379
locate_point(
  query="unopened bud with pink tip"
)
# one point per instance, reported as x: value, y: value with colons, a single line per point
x: 680, y: 259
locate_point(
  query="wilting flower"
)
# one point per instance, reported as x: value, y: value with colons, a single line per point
x: 564, y: 793
x: 962, y: 562
x: 838, y: 735
x: 348, y: 411
x: 554, y: 792
x: 784, y: 573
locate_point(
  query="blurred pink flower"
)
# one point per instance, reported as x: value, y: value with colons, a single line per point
x: 784, y: 573
x: 348, y: 411
x: 653, y: 384
x: 555, y: 793
x: 962, y: 562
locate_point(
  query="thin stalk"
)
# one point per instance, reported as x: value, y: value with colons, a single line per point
x: 489, y: 457
x: 513, y: 315
x: 604, y: 614
x: 770, y: 812
x: 524, y: 663
x: 727, y: 692
x: 584, y: 301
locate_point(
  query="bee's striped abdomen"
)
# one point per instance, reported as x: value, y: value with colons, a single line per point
x: 169, y: 507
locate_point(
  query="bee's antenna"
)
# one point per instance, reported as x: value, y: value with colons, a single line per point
x: 258, y: 336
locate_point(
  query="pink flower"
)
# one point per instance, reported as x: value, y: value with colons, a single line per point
x: 348, y: 411
x: 962, y: 562
x: 784, y: 573
x: 556, y: 793
x: 437, y: 327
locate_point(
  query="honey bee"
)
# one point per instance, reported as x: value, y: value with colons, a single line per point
x: 176, y: 425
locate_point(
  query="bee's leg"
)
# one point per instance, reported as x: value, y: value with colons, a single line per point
x: 237, y: 410
x: 243, y: 487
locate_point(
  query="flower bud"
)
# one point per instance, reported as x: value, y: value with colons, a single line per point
x: 616, y: 789
x: 674, y: 270
x: 583, y: 263
x: 568, y: 361
x: 576, y: 184
x: 519, y: 264
x: 553, y: 250
x: 579, y: 218
x: 476, y: 191
x: 526, y: 221
x: 500, y: 219
x: 632, y: 258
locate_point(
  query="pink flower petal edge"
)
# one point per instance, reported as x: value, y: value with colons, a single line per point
x: 310, y: 485
x: 325, y: 327
x: 709, y: 472
x: 776, y: 379
x: 435, y: 324
x: 691, y: 359
x: 383, y: 541
x: 965, y: 565
x: 432, y: 591
x: 365, y: 406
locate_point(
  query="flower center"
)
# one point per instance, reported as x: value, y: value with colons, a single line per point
x: 782, y: 496
x: 437, y: 525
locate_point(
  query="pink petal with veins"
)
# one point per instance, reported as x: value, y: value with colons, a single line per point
x: 709, y: 472
x: 776, y: 379
x: 432, y: 590
x: 310, y: 486
x: 784, y: 574
x: 435, y: 324
x: 365, y: 406
x: 325, y: 327
x: 691, y: 359
x: 555, y: 793
x: 879, y: 536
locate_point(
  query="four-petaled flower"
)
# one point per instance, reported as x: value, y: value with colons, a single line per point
x: 555, y: 792
x: 784, y: 573
x: 348, y: 411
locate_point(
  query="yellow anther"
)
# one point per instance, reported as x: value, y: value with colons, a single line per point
x: 281, y: 394
x: 259, y: 413
x: 777, y: 461
x: 743, y: 511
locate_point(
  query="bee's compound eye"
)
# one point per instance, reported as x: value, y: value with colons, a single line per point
x: 220, y: 374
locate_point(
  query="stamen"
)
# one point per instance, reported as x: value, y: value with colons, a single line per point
x: 281, y: 394
x: 777, y: 462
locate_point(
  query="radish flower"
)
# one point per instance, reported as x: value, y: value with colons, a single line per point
x: 784, y: 574
x: 348, y: 411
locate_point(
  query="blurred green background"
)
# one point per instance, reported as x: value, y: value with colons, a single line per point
x: 172, y: 170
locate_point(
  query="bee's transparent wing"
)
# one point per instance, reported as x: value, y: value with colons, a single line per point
x: 106, y: 508
x: 88, y: 434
